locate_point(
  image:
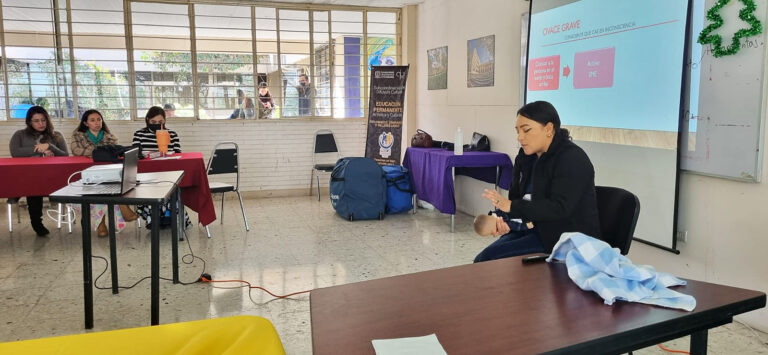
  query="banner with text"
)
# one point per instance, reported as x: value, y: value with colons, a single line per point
x: 385, y: 114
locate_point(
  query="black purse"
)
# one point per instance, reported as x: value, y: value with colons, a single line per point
x: 480, y: 143
x: 109, y: 153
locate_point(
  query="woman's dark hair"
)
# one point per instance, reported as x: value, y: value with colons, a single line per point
x: 543, y: 112
x: 48, y: 124
x: 83, y: 126
x: 152, y: 112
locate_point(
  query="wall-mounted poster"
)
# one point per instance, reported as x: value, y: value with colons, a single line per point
x: 480, y: 61
x: 437, y: 72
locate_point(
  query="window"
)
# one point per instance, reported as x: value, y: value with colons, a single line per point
x: 100, y: 59
x: 295, y: 63
x: 224, y: 62
x: 202, y: 59
x: 163, y: 57
x: 347, y: 42
x: 321, y: 71
x: 37, y: 59
x: 268, y: 66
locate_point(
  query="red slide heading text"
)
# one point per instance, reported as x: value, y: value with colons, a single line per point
x: 567, y: 26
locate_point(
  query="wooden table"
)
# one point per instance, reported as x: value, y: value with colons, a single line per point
x: 506, y: 307
x: 156, y: 191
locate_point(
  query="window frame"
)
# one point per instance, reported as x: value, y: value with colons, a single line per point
x: 71, y: 74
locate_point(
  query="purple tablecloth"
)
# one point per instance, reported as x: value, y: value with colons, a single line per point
x: 431, y: 172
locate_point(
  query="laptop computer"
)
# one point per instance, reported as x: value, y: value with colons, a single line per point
x: 127, y: 182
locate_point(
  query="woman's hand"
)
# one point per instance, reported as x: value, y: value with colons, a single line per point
x: 497, y: 200
x: 41, y: 147
x: 501, y: 227
x: 48, y: 153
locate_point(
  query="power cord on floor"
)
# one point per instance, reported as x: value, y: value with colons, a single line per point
x: 191, y: 253
x: 754, y: 332
x: 204, y: 277
x: 672, y: 351
x: 250, y: 288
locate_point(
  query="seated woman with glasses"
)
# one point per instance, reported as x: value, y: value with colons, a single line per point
x: 93, y: 132
x: 38, y: 139
x: 146, y: 139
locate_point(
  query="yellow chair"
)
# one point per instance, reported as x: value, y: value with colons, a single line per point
x: 229, y: 335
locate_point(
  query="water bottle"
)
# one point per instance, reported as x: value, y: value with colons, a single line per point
x: 458, y: 145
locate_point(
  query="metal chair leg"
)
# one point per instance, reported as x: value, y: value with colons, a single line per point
x: 242, y: 210
x: 69, y: 218
x: 208, y: 231
x: 318, y: 186
x: 10, y: 217
x: 311, y: 177
x: 58, y: 218
x: 222, y: 208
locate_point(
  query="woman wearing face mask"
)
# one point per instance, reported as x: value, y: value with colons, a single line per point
x: 93, y: 132
x: 552, y: 190
x: 38, y: 139
x: 147, y: 139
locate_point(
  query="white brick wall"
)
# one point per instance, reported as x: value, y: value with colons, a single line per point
x: 274, y: 154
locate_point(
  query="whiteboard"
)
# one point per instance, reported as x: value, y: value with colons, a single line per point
x: 650, y: 174
x: 723, y: 132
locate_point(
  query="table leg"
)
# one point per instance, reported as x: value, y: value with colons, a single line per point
x: 496, y: 187
x: 182, y: 214
x: 87, y: 267
x: 175, y: 211
x: 155, y: 265
x: 453, y: 216
x: 112, y: 246
x: 699, y: 342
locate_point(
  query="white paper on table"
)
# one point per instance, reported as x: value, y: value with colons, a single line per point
x: 426, y: 345
x: 168, y: 157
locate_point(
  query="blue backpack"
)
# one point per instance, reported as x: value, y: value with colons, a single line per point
x: 399, y: 189
x: 358, y: 189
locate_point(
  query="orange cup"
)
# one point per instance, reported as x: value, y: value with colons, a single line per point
x: 163, y: 139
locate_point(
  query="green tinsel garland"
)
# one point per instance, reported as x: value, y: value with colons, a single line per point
x: 746, y: 14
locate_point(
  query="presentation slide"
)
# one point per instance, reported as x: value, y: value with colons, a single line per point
x: 613, y: 64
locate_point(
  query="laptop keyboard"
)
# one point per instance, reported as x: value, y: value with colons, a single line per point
x: 110, y: 189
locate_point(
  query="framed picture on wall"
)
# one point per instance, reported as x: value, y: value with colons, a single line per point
x: 481, y: 59
x: 437, y: 68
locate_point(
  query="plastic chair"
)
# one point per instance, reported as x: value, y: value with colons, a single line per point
x: 325, y: 145
x: 618, y: 210
x: 70, y: 219
x: 11, y: 202
x: 224, y: 160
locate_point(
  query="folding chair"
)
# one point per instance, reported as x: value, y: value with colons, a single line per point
x: 224, y: 160
x: 325, y: 144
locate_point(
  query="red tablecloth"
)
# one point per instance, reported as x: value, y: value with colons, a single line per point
x: 42, y: 176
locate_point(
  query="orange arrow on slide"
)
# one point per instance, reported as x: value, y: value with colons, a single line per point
x: 566, y: 71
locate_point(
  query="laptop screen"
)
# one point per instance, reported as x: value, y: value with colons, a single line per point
x: 130, y: 169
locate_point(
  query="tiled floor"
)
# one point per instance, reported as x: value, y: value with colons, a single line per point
x: 294, y: 244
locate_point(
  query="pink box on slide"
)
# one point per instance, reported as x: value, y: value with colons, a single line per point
x: 594, y: 69
x: 544, y: 73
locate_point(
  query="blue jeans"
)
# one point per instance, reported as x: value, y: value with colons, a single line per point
x: 514, y: 243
